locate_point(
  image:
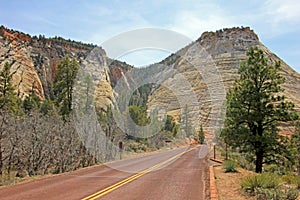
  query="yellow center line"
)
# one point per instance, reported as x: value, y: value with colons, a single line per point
x: 133, y: 177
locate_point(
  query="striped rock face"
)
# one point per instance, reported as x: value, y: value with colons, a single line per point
x: 226, y: 49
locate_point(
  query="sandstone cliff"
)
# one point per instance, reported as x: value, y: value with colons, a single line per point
x: 210, y: 66
x: 35, y: 61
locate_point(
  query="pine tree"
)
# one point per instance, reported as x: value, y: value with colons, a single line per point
x: 171, y: 126
x: 201, y: 136
x: 255, y: 107
x: 32, y: 101
x: 8, y: 97
x: 63, y: 85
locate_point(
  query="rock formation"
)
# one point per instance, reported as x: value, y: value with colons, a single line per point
x: 210, y: 65
x: 35, y: 61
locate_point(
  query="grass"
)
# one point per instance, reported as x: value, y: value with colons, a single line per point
x: 264, y: 180
x: 7, y: 178
x: 229, y: 166
x: 267, y: 186
x: 276, y: 194
x: 296, y: 181
x: 292, y: 180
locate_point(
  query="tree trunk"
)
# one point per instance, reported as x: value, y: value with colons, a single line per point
x: 10, y: 159
x: 259, y: 161
x: 298, y: 168
x: 1, y: 161
x: 259, y: 150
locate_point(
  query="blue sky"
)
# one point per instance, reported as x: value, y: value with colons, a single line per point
x: 277, y: 22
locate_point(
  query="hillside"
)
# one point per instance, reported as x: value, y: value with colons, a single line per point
x: 220, y: 54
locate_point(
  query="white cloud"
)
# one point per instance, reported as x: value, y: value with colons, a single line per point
x: 283, y: 11
x: 280, y: 17
x: 193, y: 24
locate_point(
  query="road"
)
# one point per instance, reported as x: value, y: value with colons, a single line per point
x: 176, y: 174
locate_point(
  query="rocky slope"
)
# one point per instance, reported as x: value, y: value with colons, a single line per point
x: 210, y: 66
x: 35, y: 61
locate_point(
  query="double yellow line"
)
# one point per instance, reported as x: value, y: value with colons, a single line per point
x: 131, y: 178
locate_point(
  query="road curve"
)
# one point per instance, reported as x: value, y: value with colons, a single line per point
x: 175, y: 174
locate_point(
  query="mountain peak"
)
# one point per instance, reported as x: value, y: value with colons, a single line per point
x: 245, y: 33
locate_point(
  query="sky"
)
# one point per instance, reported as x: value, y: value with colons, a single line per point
x: 276, y: 22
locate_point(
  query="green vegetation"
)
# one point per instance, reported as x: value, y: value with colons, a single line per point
x: 32, y: 101
x: 201, y: 136
x: 292, y: 180
x: 138, y: 115
x: 276, y: 194
x: 171, y: 126
x: 8, y: 97
x: 229, y: 166
x: 140, y: 96
x: 295, y: 148
x: 254, y: 109
x: 63, y: 85
x: 71, y: 43
x: 268, y: 186
x: 264, y: 180
x: 297, y: 182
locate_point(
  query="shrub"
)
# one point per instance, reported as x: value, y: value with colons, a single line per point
x: 245, y: 164
x: 7, y: 178
x: 289, y: 179
x: 292, y: 180
x: 245, y: 161
x: 229, y: 166
x: 276, y: 169
x: 297, y: 181
x: 266, y: 194
x: 291, y: 194
x: 265, y: 181
x: 276, y: 194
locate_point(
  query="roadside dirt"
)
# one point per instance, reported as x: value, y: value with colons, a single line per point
x: 228, y: 184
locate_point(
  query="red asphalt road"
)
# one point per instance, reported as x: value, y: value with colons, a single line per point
x: 186, y: 177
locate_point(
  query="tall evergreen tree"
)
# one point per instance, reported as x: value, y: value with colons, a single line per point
x: 8, y: 97
x: 63, y: 85
x: 138, y: 115
x: 32, y: 101
x: 255, y: 107
x: 201, y: 136
x: 171, y: 126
